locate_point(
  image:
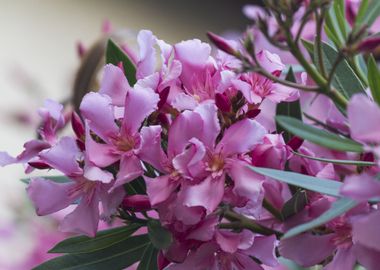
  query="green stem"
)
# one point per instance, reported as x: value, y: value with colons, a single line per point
x: 273, y: 210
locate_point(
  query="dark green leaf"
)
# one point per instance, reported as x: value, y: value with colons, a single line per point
x: 115, y: 55
x: 136, y: 186
x: 318, y: 136
x: 339, y: 10
x: 338, y: 208
x: 332, y: 28
x: 309, y: 46
x: 160, y: 237
x: 103, y: 239
x: 57, y: 179
x: 296, y: 203
x: 149, y: 259
x: 292, y: 109
x: 115, y: 257
x: 320, y: 185
x: 345, y: 79
x: 338, y: 161
x: 374, y: 79
x: 373, y: 11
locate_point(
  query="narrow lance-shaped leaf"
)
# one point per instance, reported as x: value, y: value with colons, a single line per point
x: 296, y: 203
x: 320, y: 185
x: 292, y: 109
x: 149, y: 259
x: 338, y: 161
x: 372, y: 13
x: 338, y: 208
x: 115, y: 55
x: 119, y: 256
x: 57, y: 179
x: 318, y: 136
x: 103, y: 239
x: 161, y: 237
x: 374, y: 79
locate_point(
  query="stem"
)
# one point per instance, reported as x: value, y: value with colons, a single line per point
x: 273, y: 210
x: 320, y: 18
x: 242, y: 222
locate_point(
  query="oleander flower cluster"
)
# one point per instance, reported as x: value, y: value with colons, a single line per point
x: 181, y: 144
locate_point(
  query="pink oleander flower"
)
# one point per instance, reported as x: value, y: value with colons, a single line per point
x: 256, y: 88
x: 118, y: 143
x: 89, y: 185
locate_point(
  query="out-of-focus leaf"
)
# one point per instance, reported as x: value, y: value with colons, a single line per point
x: 292, y: 109
x: 318, y: 136
x: 149, y: 259
x: 320, y: 185
x: 338, y: 161
x: 296, y: 203
x: 160, y: 237
x: 115, y: 55
x: 360, y: 16
x: 136, y: 186
x: 338, y: 208
x: 372, y: 13
x: 374, y: 79
x: 115, y: 257
x: 103, y: 239
x: 57, y: 179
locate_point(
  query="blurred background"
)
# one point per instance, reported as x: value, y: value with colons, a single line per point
x: 39, y: 60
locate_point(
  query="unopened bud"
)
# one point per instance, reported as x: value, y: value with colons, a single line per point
x: 369, y: 44
x: 221, y: 43
x: 295, y: 143
x: 137, y: 203
x: 39, y: 165
x: 163, y: 97
x: 253, y: 113
x: 77, y: 125
x: 222, y: 102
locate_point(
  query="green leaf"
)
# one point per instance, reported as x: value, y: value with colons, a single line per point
x: 160, y: 237
x: 338, y: 161
x: 338, y: 208
x: 103, y: 239
x: 295, y: 204
x: 374, y: 79
x: 115, y: 257
x: 332, y: 28
x: 320, y: 185
x: 292, y: 109
x: 339, y: 12
x: 115, y: 55
x: 360, y: 16
x: 57, y: 179
x: 309, y: 46
x: 149, y: 259
x: 136, y: 186
x: 345, y: 79
x: 373, y: 11
x: 318, y: 136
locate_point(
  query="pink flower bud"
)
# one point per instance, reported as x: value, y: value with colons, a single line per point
x: 295, y: 143
x: 369, y: 44
x: 77, y: 125
x: 137, y: 203
x: 221, y: 43
x: 163, y: 97
x: 222, y: 102
x: 253, y: 113
x: 39, y: 165
x: 162, y: 262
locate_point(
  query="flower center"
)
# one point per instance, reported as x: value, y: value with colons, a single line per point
x: 343, y: 234
x: 126, y: 143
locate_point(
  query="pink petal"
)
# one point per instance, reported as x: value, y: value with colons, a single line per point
x: 94, y: 173
x: 367, y: 257
x: 247, y: 183
x: 64, y: 157
x: 183, y: 101
x: 247, y: 91
x: 199, y: 194
x: 114, y: 84
x: 32, y: 149
x: 364, y: 119
x: 270, y: 61
x: 300, y: 250
x: 139, y: 104
x: 282, y: 93
x: 227, y: 241
x: 186, y: 126
x: 84, y: 219
x: 48, y: 196
x: 151, y: 150
x: 360, y: 187
x: 209, y: 113
x: 111, y: 201
x: 98, y: 110
x: 159, y: 189
x: 365, y: 230
x: 147, y: 55
x: 264, y: 249
x: 130, y: 169
x: 189, y: 163
x: 205, y: 230
x: 241, y: 137
x: 6, y: 159
x: 344, y: 258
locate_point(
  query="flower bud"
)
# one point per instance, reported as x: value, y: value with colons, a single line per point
x: 39, y: 165
x: 221, y: 43
x: 253, y: 113
x: 222, y: 102
x: 369, y: 44
x: 137, y: 203
x: 77, y: 125
x: 163, y: 97
x: 295, y: 143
